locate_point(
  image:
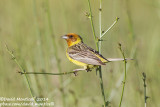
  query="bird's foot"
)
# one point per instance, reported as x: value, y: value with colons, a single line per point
x: 88, y: 70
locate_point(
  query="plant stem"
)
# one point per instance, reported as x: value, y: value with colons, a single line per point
x: 23, y: 71
x: 100, y: 24
x: 98, y: 43
x: 45, y: 73
x: 55, y: 51
x: 92, y: 25
x: 145, y: 95
x: 97, y: 47
x: 101, y: 84
x: 110, y: 27
x: 125, y: 76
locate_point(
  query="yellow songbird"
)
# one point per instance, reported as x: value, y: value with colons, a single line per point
x: 82, y: 55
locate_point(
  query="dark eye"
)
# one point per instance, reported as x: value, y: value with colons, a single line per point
x: 71, y: 36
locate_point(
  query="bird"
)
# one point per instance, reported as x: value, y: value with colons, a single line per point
x: 82, y: 55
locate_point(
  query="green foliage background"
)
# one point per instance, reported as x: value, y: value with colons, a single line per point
x: 24, y: 28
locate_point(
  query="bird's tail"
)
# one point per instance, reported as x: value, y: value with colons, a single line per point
x: 118, y: 59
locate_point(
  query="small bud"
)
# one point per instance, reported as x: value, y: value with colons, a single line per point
x: 123, y: 82
x: 117, y: 18
x: 19, y: 72
x: 144, y: 75
x: 87, y: 14
x: 13, y: 58
x: 100, y: 9
x: 119, y: 44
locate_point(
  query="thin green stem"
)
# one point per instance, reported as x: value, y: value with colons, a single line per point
x: 125, y: 75
x: 118, y: 83
x: 97, y: 47
x: 100, y: 69
x: 45, y: 73
x: 23, y: 71
x: 110, y: 27
x: 98, y: 42
x: 100, y: 24
x: 55, y: 50
x: 92, y: 25
x: 102, y: 87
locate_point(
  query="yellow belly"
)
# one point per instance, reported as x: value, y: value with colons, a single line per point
x: 76, y: 62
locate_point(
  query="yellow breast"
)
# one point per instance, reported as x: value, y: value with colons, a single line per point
x: 75, y: 61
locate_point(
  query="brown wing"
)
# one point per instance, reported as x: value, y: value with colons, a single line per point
x: 97, y: 54
x: 82, y: 53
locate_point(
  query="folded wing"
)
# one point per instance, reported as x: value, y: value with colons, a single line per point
x: 83, y: 54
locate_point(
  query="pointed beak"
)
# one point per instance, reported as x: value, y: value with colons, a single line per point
x: 64, y: 37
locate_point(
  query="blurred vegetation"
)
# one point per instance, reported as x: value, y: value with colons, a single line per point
x: 27, y: 33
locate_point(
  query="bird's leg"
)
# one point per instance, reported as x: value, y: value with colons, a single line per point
x: 97, y: 68
x: 88, y: 69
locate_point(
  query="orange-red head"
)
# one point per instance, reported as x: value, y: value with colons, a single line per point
x: 72, y: 39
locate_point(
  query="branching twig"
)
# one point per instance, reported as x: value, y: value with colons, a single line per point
x: 98, y: 43
x: 23, y: 71
x: 125, y: 76
x: 110, y: 27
